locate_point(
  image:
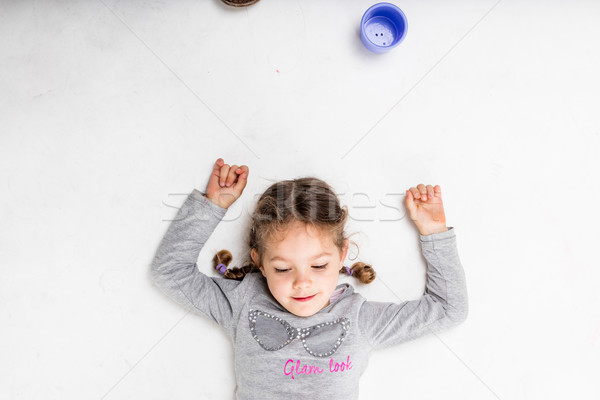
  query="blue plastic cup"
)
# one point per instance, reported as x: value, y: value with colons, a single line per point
x: 383, y: 27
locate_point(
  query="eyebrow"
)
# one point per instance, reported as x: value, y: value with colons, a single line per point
x: 279, y: 258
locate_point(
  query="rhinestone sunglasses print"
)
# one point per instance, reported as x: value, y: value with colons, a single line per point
x: 273, y: 333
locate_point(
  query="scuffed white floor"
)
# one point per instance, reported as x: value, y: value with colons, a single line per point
x: 112, y: 112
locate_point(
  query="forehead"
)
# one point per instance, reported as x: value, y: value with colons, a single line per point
x: 299, y: 241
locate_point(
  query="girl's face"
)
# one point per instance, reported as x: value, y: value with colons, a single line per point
x: 302, y: 270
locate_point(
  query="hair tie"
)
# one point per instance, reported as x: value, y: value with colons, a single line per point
x: 222, y: 268
x: 348, y: 271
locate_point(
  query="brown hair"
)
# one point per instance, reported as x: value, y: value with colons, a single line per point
x: 308, y: 200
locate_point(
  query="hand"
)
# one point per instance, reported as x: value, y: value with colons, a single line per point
x: 226, y: 183
x: 424, y: 204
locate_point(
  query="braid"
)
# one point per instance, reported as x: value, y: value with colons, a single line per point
x: 225, y: 257
x: 361, y: 271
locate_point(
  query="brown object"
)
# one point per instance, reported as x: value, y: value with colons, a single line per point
x: 240, y: 3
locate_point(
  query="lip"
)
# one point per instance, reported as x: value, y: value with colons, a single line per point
x: 304, y: 298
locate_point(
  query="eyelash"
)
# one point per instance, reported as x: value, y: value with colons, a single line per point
x: 314, y: 266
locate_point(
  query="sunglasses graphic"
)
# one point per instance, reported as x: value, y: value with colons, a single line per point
x: 273, y: 333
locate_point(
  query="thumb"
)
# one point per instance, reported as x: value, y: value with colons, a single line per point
x: 410, y: 203
x: 242, y: 180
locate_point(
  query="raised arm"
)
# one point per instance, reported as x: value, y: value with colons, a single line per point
x: 444, y: 303
x: 174, y: 267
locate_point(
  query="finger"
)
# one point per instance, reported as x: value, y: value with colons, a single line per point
x: 437, y: 191
x: 216, y: 171
x: 242, y: 180
x: 244, y: 172
x: 223, y: 174
x: 415, y: 192
x: 422, y: 191
x: 429, y: 191
x: 231, y: 175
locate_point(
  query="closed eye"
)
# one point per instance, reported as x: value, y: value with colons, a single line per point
x: 279, y: 270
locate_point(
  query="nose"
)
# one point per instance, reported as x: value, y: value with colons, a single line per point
x: 302, y: 279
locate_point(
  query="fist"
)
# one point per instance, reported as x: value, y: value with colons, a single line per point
x: 226, y: 183
x: 424, y: 204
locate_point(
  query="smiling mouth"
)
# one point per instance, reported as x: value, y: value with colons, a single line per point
x: 304, y: 298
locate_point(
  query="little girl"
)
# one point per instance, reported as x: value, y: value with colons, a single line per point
x: 295, y: 331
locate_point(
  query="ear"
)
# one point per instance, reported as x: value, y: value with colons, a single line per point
x: 256, y: 259
x: 345, y: 250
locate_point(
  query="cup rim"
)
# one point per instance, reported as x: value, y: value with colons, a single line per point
x: 389, y: 6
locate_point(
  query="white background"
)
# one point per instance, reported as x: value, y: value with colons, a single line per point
x: 112, y: 112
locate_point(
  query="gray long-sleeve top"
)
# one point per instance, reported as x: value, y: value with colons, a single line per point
x: 280, y: 354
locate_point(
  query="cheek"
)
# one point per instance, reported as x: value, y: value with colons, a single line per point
x: 331, y: 279
x: 277, y: 284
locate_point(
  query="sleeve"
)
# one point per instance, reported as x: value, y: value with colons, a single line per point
x: 174, y: 267
x: 443, y: 305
